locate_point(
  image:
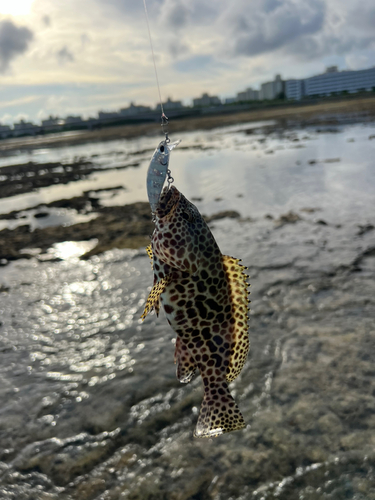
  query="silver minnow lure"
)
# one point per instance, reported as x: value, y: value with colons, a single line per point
x: 157, y: 172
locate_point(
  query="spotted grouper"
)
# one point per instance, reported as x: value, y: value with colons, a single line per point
x: 205, y: 298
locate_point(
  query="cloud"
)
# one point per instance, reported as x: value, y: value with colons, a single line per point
x: 14, y: 41
x: 64, y: 55
x: 192, y: 64
x: 46, y: 21
x: 273, y: 25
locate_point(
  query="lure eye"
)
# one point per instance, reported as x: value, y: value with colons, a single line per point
x: 162, y: 149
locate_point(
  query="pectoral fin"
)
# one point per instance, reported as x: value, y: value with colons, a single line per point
x: 154, y: 296
x: 149, y: 253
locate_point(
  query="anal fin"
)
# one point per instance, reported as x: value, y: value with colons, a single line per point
x: 219, y: 413
x: 185, y: 363
x: 154, y: 295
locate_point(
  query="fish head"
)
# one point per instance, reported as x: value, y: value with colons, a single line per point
x: 181, y: 234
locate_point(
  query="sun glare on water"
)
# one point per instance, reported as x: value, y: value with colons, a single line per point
x: 15, y: 7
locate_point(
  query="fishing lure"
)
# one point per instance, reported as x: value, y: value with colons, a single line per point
x: 158, y: 171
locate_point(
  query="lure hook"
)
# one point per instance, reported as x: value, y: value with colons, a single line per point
x: 170, y: 179
x: 164, y: 126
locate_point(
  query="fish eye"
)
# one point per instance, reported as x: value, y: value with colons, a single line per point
x: 162, y: 149
x: 188, y: 216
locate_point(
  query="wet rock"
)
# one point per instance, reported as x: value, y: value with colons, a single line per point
x: 41, y: 215
x: 366, y: 228
x: 332, y: 160
x: 62, y: 460
x: 288, y: 218
x: 309, y: 210
x: 230, y: 214
x: 127, y: 226
x: 30, y: 176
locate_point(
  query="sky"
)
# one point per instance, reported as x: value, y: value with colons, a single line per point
x: 80, y: 56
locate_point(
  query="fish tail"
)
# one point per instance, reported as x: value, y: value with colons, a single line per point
x: 219, y: 413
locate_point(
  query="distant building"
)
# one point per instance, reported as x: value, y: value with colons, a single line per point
x: 108, y: 116
x: 134, y: 110
x: 248, y: 95
x: 272, y: 90
x: 331, y: 82
x: 230, y: 100
x: 206, y: 100
x: 169, y: 104
x: 52, y: 124
x: 25, y: 128
x: 294, y: 89
x: 73, y: 120
x: 5, y: 131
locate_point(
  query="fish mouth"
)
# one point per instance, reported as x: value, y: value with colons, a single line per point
x: 168, y: 200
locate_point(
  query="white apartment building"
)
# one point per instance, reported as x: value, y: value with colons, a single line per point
x: 52, y: 124
x: 134, y: 109
x: 169, y: 104
x: 5, y: 131
x: 25, y: 128
x: 331, y: 82
x: 294, y: 89
x: 272, y: 90
x: 73, y: 120
x: 248, y: 95
x: 206, y: 100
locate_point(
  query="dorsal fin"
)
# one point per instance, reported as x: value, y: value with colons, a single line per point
x: 239, y: 300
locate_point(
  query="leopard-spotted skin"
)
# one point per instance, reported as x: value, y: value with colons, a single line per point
x: 205, y: 298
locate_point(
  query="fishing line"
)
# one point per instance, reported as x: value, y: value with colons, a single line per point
x: 164, y: 119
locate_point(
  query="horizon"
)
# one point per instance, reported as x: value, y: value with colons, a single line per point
x: 80, y: 59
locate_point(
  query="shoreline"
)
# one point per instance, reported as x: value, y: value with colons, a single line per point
x: 352, y: 111
x: 107, y: 224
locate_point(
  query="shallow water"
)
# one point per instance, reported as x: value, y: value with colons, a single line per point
x: 90, y: 406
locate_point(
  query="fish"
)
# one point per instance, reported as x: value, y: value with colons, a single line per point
x: 205, y: 298
x: 157, y: 171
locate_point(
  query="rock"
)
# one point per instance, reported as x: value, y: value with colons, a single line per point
x: 365, y: 229
x: 288, y: 218
x: 231, y: 214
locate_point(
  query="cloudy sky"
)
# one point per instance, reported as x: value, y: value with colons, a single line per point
x: 82, y: 56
